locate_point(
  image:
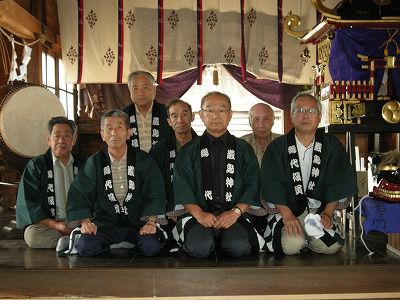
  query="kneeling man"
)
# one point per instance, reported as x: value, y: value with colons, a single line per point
x: 117, y: 194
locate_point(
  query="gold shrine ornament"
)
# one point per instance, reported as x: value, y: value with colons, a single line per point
x: 391, y: 112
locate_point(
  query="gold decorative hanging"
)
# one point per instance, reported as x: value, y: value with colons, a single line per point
x: 390, y: 59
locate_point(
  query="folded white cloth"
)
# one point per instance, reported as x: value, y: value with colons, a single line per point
x: 122, y: 245
x: 67, y: 244
x: 63, y: 243
x: 314, y: 227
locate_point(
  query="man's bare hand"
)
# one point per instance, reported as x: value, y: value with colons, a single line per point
x: 206, y: 219
x: 326, y: 221
x: 292, y: 226
x: 148, y: 229
x: 61, y: 227
x: 87, y: 227
x: 226, y: 219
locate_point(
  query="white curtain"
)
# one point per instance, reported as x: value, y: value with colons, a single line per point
x: 104, y: 40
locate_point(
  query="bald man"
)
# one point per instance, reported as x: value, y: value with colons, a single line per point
x: 261, y: 119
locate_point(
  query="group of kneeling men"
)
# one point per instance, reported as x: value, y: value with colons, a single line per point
x: 203, y: 194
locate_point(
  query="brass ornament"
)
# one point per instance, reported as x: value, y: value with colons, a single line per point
x: 391, y: 112
x: 290, y: 23
x: 390, y: 62
x: 391, y: 168
x: 346, y: 112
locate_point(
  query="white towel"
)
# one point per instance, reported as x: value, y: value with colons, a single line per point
x: 122, y: 245
x: 67, y: 244
x: 314, y: 227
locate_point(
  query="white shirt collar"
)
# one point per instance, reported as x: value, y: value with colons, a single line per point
x: 123, y: 158
x: 55, y: 159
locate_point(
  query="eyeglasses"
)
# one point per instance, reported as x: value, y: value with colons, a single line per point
x: 218, y: 111
x: 301, y: 110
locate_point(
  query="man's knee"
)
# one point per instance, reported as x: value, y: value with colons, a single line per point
x: 31, y: 239
x: 41, y: 237
x: 199, y: 249
x: 236, y: 247
x: 319, y: 246
x: 292, y: 244
x: 235, y: 241
x: 199, y: 242
x: 88, y: 246
x: 149, y: 245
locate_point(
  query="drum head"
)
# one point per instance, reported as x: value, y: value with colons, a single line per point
x: 23, y: 119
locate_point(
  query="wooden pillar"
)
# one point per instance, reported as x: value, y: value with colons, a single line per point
x: 287, y: 124
x: 35, y: 65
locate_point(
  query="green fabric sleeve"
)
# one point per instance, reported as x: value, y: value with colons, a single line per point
x: 82, y: 193
x: 152, y: 190
x: 32, y: 206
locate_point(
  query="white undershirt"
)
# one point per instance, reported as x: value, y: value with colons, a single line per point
x: 63, y: 177
x: 305, y: 158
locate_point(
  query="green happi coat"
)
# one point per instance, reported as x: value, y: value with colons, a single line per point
x: 337, y: 179
x: 32, y: 203
x: 165, y: 129
x: 161, y: 153
x: 188, y: 184
x: 87, y: 196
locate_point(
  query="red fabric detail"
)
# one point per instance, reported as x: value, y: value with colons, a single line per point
x: 280, y: 40
x: 318, y: 80
x: 340, y: 88
x: 358, y: 88
x: 371, y: 88
x: 199, y: 42
x: 364, y: 88
x: 120, y: 66
x: 160, y: 60
x: 352, y: 89
x: 363, y: 24
x: 242, y: 45
x: 80, y: 42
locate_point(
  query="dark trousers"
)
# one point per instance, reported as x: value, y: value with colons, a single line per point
x: 91, y: 245
x: 201, y: 242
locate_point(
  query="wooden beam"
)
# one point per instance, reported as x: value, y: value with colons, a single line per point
x: 21, y: 23
x: 80, y: 278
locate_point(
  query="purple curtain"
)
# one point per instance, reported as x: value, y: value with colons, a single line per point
x: 97, y: 98
x: 344, y: 63
x: 176, y: 86
x: 273, y: 92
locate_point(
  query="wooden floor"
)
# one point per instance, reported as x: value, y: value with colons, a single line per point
x: 350, y: 274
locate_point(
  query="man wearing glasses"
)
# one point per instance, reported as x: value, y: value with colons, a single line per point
x: 217, y: 176
x: 306, y: 174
